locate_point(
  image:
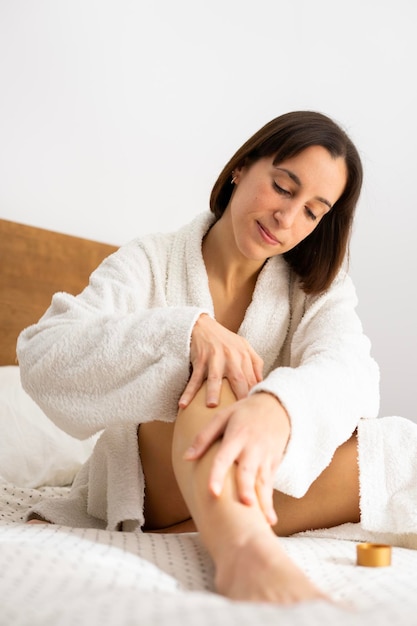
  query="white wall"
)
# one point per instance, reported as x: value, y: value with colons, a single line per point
x: 116, y: 116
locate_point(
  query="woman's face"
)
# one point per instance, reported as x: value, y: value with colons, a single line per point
x: 274, y: 207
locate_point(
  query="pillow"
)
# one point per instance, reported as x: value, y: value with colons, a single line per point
x: 33, y: 451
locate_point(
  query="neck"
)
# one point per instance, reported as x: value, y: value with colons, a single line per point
x: 224, y: 262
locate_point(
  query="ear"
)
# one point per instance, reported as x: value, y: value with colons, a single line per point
x: 236, y: 174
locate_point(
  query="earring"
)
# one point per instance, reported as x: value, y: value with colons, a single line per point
x: 233, y: 178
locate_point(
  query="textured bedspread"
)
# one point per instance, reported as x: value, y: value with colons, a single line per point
x: 54, y: 575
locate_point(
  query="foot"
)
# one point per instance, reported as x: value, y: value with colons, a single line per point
x: 260, y: 571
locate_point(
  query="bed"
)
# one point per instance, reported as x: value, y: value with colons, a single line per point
x: 55, y: 575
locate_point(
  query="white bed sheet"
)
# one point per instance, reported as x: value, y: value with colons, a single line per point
x: 58, y: 576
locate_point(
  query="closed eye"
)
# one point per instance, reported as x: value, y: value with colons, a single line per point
x: 288, y: 194
x: 311, y: 214
x: 281, y: 190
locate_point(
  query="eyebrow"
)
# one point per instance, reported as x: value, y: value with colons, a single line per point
x: 297, y: 181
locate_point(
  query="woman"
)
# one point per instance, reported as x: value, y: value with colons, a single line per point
x: 253, y: 301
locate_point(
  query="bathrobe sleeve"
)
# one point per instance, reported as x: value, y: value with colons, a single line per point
x: 330, y: 384
x: 114, y: 353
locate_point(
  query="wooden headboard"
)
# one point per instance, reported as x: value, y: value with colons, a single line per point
x: 34, y: 264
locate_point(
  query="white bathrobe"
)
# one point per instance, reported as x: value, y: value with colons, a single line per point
x: 118, y: 355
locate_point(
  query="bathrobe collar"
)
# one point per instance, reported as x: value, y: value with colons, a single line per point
x: 187, y: 282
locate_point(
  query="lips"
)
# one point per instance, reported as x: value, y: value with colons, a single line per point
x: 267, y: 235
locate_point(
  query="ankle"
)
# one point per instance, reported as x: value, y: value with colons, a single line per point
x: 254, y: 552
x: 252, y: 544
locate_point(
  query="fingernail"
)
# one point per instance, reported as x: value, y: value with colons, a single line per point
x: 190, y: 453
x: 247, y: 499
x: 216, y: 489
x: 273, y: 519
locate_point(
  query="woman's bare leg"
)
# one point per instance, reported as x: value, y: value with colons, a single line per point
x: 250, y: 563
x: 164, y: 508
x: 332, y: 499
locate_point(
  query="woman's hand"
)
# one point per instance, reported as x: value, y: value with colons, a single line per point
x: 254, y: 433
x: 218, y: 353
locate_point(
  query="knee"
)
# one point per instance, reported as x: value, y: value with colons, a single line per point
x: 192, y: 419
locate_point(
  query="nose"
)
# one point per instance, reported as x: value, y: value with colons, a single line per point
x: 287, y: 214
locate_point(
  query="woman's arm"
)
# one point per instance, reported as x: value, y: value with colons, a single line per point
x: 116, y: 352
x: 330, y: 383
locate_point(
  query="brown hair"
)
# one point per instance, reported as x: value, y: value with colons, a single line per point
x: 318, y: 258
